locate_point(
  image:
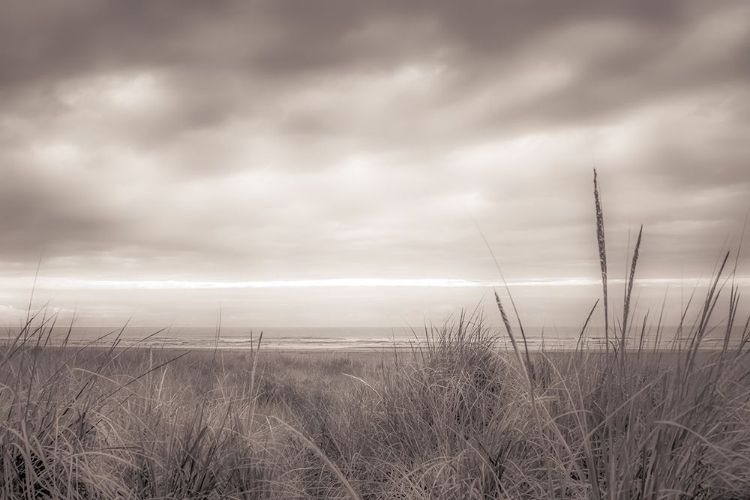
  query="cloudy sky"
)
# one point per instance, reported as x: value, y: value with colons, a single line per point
x: 292, y: 162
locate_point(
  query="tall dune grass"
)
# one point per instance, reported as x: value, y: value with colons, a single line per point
x: 456, y: 417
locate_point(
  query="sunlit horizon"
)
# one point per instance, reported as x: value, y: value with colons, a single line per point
x: 57, y: 283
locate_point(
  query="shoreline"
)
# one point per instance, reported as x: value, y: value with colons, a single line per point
x: 347, y: 350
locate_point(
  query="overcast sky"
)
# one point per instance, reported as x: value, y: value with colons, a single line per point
x: 162, y: 158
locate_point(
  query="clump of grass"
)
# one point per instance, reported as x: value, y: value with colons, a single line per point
x: 49, y: 420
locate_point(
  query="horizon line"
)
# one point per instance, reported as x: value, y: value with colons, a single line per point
x: 93, y: 284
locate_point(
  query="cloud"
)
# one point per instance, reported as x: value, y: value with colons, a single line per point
x: 266, y: 141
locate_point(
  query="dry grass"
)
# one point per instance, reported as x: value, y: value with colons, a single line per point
x: 454, y: 419
x: 457, y: 418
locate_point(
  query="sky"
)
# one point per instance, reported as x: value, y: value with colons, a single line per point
x: 336, y: 163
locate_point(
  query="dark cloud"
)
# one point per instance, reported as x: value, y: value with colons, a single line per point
x: 46, y: 42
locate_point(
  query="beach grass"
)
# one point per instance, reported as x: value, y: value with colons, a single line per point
x: 456, y: 417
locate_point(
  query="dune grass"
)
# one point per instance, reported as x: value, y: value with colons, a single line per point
x: 455, y: 418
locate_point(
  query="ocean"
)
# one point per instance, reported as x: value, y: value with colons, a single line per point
x: 342, y: 338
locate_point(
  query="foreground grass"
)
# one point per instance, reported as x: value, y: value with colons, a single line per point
x: 457, y: 419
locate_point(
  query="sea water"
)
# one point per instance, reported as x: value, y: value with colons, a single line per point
x: 353, y: 338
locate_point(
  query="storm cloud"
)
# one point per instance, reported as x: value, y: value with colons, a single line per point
x: 259, y: 141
